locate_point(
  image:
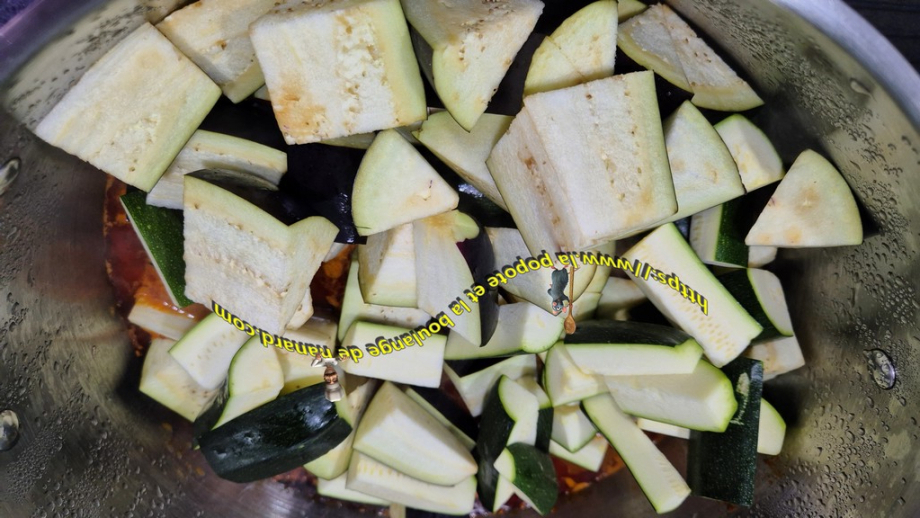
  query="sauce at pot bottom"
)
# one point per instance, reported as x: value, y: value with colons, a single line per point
x: 135, y: 281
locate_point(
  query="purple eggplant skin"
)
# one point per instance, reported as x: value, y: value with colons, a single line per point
x: 320, y: 180
x: 480, y: 257
x: 258, y: 191
x: 250, y: 119
x: 509, y: 98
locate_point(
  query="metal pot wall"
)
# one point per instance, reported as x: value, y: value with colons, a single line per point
x: 91, y: 445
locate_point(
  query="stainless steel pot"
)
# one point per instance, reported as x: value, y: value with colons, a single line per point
x: 91, y: 445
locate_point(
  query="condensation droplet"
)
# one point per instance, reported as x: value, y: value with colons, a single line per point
x: 881, y: 368
x: 8, y: 173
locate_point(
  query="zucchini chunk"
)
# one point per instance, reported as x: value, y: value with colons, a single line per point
x: 209, y: 150
x: 702, y: 400
x: 255, y: 378
x: 142, y: 100
x: 722, y: 466
x: 388, y: 350
x: 691, y: 296
x: 661, y: 483
x: 510, y: 415
x: 386, y: 271
x: 447, y: 412
x: 509, y: 248
x: 336, y: 488
x: 544, y: 414
x: 270, y: 261
x: 466, y: 151
x: 758, y: 162
x: 717, y: 235
x: 164, y: 380
x: 160, y: 231
x: 543, y: 179
x: 205, y: 352
x: 215, y: 35
x: 626, y: 9
x: 333, y: 463
x: 761, y: 295
x: 771, y: 431
x: 276, y: 437
x: 473, y: 44
x: 377, y: 479
x: 564, y: 381
x: 354, y: 308
x: 159, y: 319
x: 531, y: 471
x: 702, y: 169
x: 612, y: 348
x: 392, y: 170
x: 646, y: 40
x: 522, y: 327
x: 474, y: 387
x: 663, y: 428
x: 778, y: 356
x: 812, y: 207
x: 590, y: 456
x: 433, y: 454
x: 571, y: 428
x: 358, y: 393
x: 376, y: 84
x: 581, y: 49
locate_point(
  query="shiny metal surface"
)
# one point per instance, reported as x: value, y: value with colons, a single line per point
x: 91, y: 445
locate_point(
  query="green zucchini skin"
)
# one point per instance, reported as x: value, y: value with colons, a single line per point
x: 722, y: 466
x: 210, y: 414
x: 544, y: 429
x: 739, y: 284
x: 276, y: 437
x: 535, y: 476
x: 494, y: 430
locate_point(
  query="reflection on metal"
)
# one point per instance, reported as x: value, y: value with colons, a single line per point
x: 881, y: 368
x: 9, y: 429
x: 8, y: 172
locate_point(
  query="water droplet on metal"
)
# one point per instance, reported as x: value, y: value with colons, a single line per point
x: 8, y: 173
x: 9, y: 429
x: 881, y: 368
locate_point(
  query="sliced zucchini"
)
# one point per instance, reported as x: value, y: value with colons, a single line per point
x: 358, y: 392
x: 255, y: 378
x: 466, y: 151
x: 389, y: 350
x: 663, y: 428
x: 691, y: 296
x: 617, y: 297
x: 276, y: 437
x: 571, y: 428
x: 761, y: 295
x: 215, y: 35
x: 812, y: 206
x: 531, y: 471
x: 473, y: 45
x: 386, y: 271
x: 522, y: 327
x: 474, y: 387
x: 433, y: 454
x: 717, y: 235
x: 164, y: 380
x: 160, y: 231
x: 545, y: 413
x: 661, y: 483
x: 447, y: 412
x: 542, y: 178
x: 333, y: 463
x: 612, y: 348
x: 771, y: 431
x: 376, y: 479
x: 702, y: 169
x: 394, y: 171
x: 703, y: 400
x: 590, y: 456
x: 354, y: 308
x: 162, y: 320
x: 585, y: 41
x: 778, y: 356
x: 511, y: 415
x: 335, y: 488
x: 722, y: 466
x: 713, y: 83
x: 758, y: 162
x: 205, y: 352
x: 564, y: 381
x: 377, y: 84
x: 132, y: 111
x: 209, y: 150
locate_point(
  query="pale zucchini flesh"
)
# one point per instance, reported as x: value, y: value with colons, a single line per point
x: 771, y: 430
x: 565, y: 382
x: 387, y: 268
x: 205, y: 352
x: 474, y: 387
x: 336, y: 488
x: 426, y: 358
x: 522, y: 327
x: 590, y: 456
x: 164, y: 380
x: 758, y: 162
x: 354, y: 308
